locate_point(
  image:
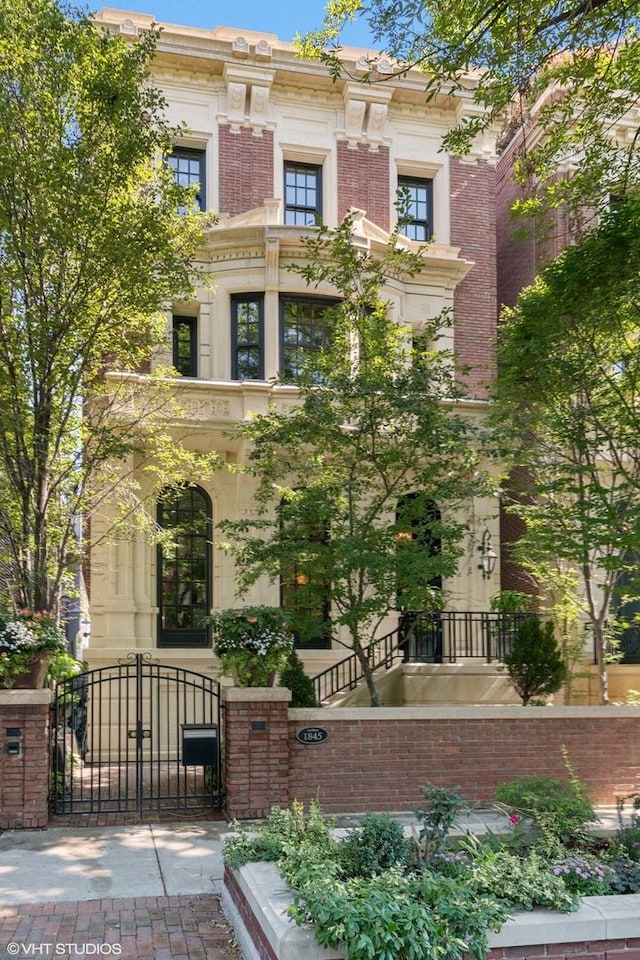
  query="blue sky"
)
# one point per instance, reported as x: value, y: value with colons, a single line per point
x: 282, y: 17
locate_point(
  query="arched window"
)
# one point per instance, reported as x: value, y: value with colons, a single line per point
x: 184, y: 569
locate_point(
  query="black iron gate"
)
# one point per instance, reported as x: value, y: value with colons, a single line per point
x: 138, y: 737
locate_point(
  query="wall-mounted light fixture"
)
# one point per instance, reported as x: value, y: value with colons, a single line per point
x: 488, y: 556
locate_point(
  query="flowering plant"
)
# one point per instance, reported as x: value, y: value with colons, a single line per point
x: 252, y: 643
x: 23, y: 636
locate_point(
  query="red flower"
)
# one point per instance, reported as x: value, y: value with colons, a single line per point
x: 514, y: 818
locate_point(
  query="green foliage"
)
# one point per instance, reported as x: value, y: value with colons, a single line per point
x: 373, y: 442
x: 521, y: 884
x: 569, y: 370
x: 284, y: 831
x: 255, y: 642
x: 23, y: 636
x: 534, y: 662
x: 62, y: 665
x: 93, y: 249
x: 511, y: 601
x: 628, y: 832
x: 390, y: 917
x: 295, y: 679
x: 376, y: 845
x: 587, y: 51
x: 560, y: 809
x: 437, y: 817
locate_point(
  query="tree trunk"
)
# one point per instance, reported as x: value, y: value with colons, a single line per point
x: 600, y: 645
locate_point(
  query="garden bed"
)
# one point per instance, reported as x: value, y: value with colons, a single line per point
x: 545, y: 882
x: 256, y: 899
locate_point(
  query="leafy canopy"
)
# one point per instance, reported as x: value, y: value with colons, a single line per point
x: 91, y: 251
x: 568, y: 392
x: 573, y: 68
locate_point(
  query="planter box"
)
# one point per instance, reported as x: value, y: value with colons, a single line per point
x: 256, y: 900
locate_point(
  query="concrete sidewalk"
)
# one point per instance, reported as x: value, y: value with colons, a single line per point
x: 88, y: 863
x: 147, y: 891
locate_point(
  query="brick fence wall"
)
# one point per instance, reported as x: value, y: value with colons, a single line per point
x: 24, y: 766
x: 379, y: 759
x: 370, y: 759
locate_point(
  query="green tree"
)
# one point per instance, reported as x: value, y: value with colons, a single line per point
x: 568, y: 392
x: 92, y: 248
x: 585, y: 54
x: 373, y: 442
x: 534, y: 662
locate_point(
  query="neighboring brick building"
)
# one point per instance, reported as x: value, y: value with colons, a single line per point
x: 272, y: 141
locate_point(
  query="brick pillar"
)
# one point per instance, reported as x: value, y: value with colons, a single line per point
x: 256, y: 750
x: 25, y: 762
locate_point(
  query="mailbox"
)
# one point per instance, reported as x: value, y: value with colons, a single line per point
x: 199, y: 745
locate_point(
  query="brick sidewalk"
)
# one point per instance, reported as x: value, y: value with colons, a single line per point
x: 143, y: 928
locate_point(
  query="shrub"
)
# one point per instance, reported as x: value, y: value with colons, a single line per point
x: 379, y: 843
x: 437, y: 817
x: 560, y: 809
x: 628, y: 833
x: 391, y: 916
x: 282, y: 832
x: 521, y: 884
x: 295, y: 679
x: 626, y: 877
x: 534, y: 663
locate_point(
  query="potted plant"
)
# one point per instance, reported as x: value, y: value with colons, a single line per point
x: 252, y: 643
x: 28, y: 640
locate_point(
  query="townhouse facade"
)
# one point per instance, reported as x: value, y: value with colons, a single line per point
x: 273, y: 143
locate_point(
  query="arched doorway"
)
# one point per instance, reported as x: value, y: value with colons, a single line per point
x: 184, y: 568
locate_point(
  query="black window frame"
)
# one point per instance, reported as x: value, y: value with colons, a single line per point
x: 236, y: 300
x: 191, y: 154
x: 410, y: 223
x: 322, y: 302
x: 309, y: 213
x: 190, y: 635
x: 188, y: 366
x: 291, y: 582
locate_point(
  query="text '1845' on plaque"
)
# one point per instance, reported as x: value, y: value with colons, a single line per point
x: 312, y: 735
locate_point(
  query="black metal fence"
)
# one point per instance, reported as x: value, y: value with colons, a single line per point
x: 427, y: 637
x: 137, y: 737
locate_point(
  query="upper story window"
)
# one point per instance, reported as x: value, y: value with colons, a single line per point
x: 415, y: 208
x: 188, y: 170
x: 185, y: 346
x: 247, y: 337
x: 302, y: 193
x: 305, y: 329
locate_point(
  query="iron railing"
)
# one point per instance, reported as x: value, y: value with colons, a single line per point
x: 347, y: 673
x: 427, y: 637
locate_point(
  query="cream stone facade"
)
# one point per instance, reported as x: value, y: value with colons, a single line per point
x: 253, y: 110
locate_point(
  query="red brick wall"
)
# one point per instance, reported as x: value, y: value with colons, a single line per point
x: 245, y: 169
x: 520, y: 256
x: 363, y: 181
x: 256, y: 752
x: 474, y: 305
x: 259, y: 939
x: 628, y: 949
x: 24, y: 779
x: 381, y: 764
